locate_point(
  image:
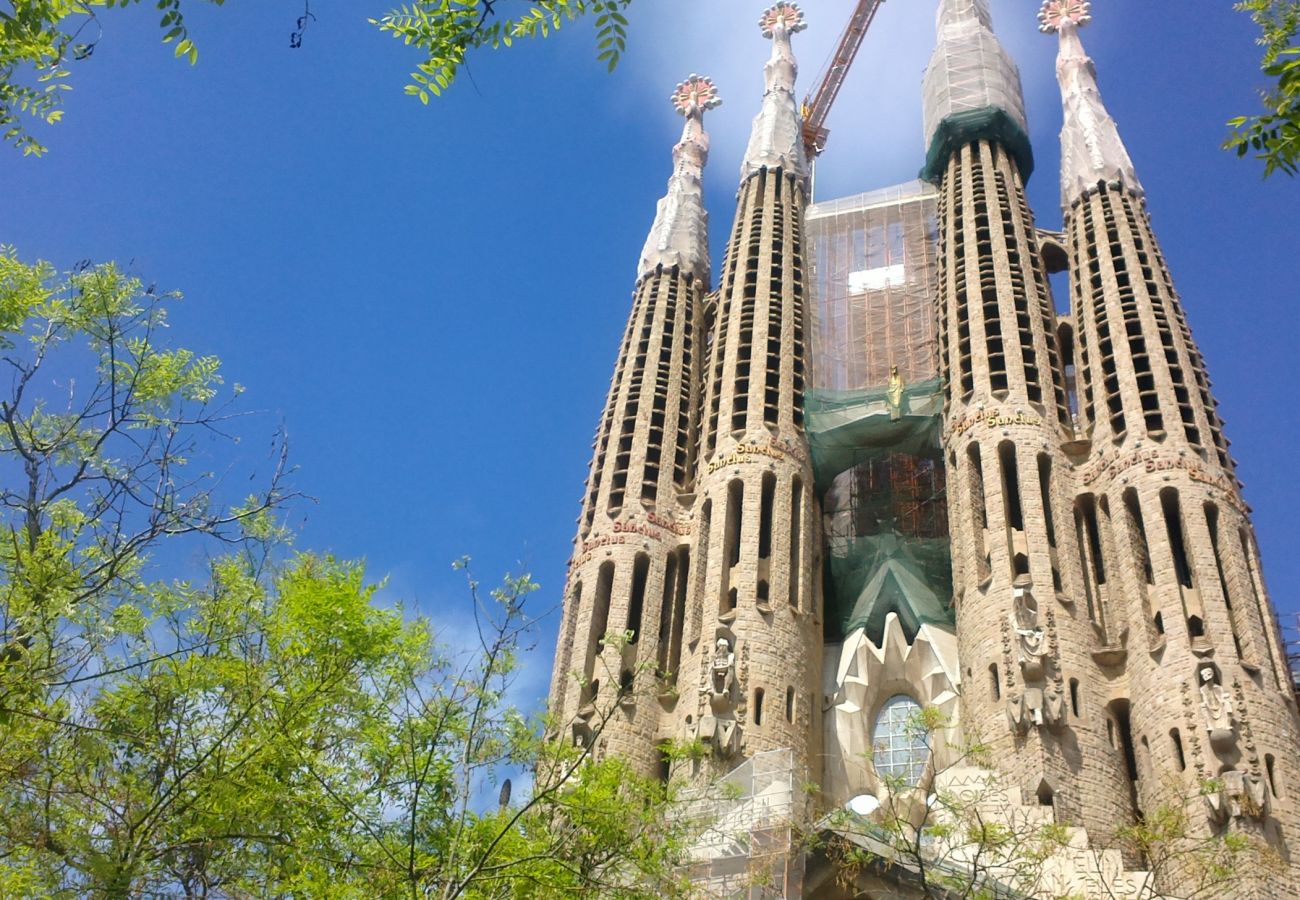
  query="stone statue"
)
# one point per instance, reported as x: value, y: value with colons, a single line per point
x: 719, y: 729
x: 894, y: 394
x: 722, y: 673
x: 1030, y: 638
x: 1216, y: 705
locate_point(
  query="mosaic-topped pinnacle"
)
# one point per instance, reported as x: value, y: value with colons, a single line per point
x: 680, y: 233
x: 1091, y: 149
x: 694, y: 95
x: 1054, y: 13
x: 782, y: 16
x: 776, y: 139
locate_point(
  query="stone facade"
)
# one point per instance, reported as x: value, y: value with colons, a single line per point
x: 1114, y: 644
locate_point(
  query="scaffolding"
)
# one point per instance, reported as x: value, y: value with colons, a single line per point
x: 874, y: 410
x: 744, y: 827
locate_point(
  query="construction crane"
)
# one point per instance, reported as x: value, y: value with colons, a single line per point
x: 817, y: 105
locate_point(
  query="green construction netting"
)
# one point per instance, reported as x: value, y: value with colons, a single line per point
x: 960, y: 128
x: 879, y: 472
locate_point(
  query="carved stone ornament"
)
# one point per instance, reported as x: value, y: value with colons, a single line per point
x: 719, y: 729
x: 1242, y: 795
x: 1216, y: 707
x: 1031, y: 642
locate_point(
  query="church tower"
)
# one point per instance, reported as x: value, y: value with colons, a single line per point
x: 1023, y: 635
x: 1171, y: 559
x: 753, y: 680
x: 631, y: 561
x: 781, y: 487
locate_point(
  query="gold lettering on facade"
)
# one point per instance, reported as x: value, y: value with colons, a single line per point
x: 751, y: 453
x: 992, y: 419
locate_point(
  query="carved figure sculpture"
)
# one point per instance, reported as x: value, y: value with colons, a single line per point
x: 1030, y: 639
x: 720, y: 729
x: 1216, y: 705
x: 722, y: 674
x: 894, y: 394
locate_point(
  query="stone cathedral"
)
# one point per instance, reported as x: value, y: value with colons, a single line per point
x: 865, y: 467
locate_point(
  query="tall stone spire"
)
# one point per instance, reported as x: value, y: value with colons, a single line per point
x: 776, y: 141
x: 680, y: 234
x: 971, y: 90
x: 1091, y: 149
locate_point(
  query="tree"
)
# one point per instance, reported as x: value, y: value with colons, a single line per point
x: 102, y: 430
x: 285, y: 735
x: 263, y: 726
x: 39, y: 39
x: 1273, y: 135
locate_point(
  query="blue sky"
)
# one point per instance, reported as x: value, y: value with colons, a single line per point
x: 430, y: 299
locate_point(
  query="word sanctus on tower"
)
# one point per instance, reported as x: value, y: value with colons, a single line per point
x: 869, y: 525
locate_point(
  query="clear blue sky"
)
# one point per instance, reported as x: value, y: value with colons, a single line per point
x: 430, y: 299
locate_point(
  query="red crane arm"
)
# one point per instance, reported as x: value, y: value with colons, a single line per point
x: 817, y: 105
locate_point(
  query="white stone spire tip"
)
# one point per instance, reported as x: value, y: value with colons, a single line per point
x: 694, y: 95
x: 776, y: 140
x: 680, y: 233
x: 785, y: 16
x: 1092, y: 152
x: 1055, y: 13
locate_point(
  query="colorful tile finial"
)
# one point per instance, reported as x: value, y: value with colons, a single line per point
x: 696, y: 94
x: 1054, y: 13
x: 786, y: 16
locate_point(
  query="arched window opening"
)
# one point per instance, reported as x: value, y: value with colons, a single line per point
x: 1177, y: 740
x: 1074, y: 696
x: 636, y: 603
x: 1045, y: 794
x: 995, y: 683
x: 789, y: 704
x: 758, y: 706
x: 1011, y: 485
x: 768, y: 496
x: 796, y: 513
x: 901, y: 746
x: 1272, y: 776
x: 1177, y: 541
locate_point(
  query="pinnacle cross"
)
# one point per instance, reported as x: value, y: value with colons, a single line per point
x: 775, y: 140
x: 679, y: 235
x: 1091, y: 149
x: 1056, y: 13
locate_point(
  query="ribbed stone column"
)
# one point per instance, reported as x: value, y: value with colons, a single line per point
x: 751, y: 680
x: 1032, y: 689
x: 1209, y: 695
x: 630, y: 568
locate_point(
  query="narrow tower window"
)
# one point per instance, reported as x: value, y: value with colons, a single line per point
x: 796, y: 517
x: 765, y: 516
x: 1011, y: 485
x: 636, y: 603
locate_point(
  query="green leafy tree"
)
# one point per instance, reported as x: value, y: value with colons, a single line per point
x: 260, y: 726
x: 41, y: 39
x: 1274, y: 134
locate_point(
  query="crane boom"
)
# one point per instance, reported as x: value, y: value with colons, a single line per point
x: 817, y: 105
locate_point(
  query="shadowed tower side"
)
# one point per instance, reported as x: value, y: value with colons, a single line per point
x: 631, y: 561
x: 751, y: 682
x: 1023, y: 633
x: 1174, y: 559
